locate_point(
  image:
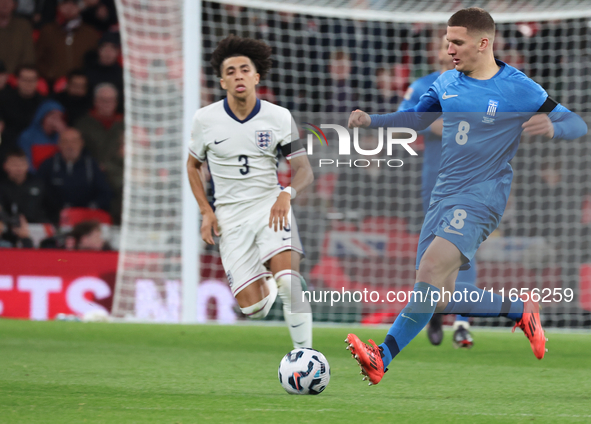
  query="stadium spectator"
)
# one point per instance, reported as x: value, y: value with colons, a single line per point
x: 63, y: 44
x: 14, y: 233
x: 39, y: 141
x: 102, y: 127
x: 340, y: 96
x: 16, y: 38
x: 114, y: 170
x: 366, y: 45
x: 236, y: 21
x: 75, y: 98
x: 87, y: 235
x: 100, y: 14
x: 387, y: 98
x: 105, y: 66
x: 74, y: 178
x: 3, y: 77
x: 22, y: 193
x: 18, y: 106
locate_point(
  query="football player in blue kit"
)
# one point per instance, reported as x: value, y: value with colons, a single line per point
x: 431, y: 159
x: 486, y: 105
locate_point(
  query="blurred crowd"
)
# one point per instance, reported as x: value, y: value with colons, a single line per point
x: 61, y: 118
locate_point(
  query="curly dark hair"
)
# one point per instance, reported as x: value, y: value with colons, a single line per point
x: 257, y: 51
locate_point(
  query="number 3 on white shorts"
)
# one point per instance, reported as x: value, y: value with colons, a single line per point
x: 462, y: 134
x: 458, y: 221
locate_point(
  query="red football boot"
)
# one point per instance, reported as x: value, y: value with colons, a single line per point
x: 368, y: 357
x: 532, y: 327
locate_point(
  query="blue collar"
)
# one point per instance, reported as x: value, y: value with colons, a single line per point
x: 252, y: 114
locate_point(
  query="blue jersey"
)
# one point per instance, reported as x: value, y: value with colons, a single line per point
x: 481, y: 131
x: 432, y: 152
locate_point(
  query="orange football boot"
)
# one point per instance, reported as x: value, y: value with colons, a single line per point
x: 532, y: 327
x: 368, y: 357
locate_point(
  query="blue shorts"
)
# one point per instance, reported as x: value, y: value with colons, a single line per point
x: 465, y: 224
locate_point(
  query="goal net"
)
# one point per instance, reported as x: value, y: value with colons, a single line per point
x: 359, y: 225
x: 149, y: 269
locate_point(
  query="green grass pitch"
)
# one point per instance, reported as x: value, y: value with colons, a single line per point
x: 61, y: 372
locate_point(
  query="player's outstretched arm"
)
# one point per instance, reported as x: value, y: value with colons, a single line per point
x: 209, y: 221
x: 302, y: 177
x: 418, y: 117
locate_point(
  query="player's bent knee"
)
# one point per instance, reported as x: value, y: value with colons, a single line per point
x: 257, y: 311
x: 430, y: 269
x: 261, y: 309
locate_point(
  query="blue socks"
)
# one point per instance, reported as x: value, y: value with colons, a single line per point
x: 484, y: 305
x: 473, y: 302
x: 411, y: 320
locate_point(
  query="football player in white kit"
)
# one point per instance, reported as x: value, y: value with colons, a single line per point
x: 239, y: 137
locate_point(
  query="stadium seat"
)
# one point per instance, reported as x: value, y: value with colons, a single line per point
x: 39, y: 232
x: 60, y: 85
x: 72, y: 216
x: 41, y: 152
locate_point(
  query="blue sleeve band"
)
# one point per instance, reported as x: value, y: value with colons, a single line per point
x: 408, y: 118
x: 567, y: 125
x: 418, y: 117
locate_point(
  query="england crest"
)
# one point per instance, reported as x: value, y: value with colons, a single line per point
x: 264, y: 139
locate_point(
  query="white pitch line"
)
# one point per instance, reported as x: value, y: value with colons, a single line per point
x: 430, y: 410
x: 340, y: 410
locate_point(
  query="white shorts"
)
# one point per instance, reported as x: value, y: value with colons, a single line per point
x: 245, y: 248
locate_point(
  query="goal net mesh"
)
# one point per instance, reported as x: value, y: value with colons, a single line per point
x: 149, y: 266
x: 360, y: 226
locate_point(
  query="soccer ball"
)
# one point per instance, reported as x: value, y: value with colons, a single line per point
x: 304, y: 371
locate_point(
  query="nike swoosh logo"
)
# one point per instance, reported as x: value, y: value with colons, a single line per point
x: 286, y: 238
x: 296, y: 326
x: 296, y: 379
x: 449, y: 230
x: 221, y: 141
x: 446, y: 96
x: 407, y: 317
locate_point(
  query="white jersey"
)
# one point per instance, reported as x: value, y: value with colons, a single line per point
x: 242, y: 155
